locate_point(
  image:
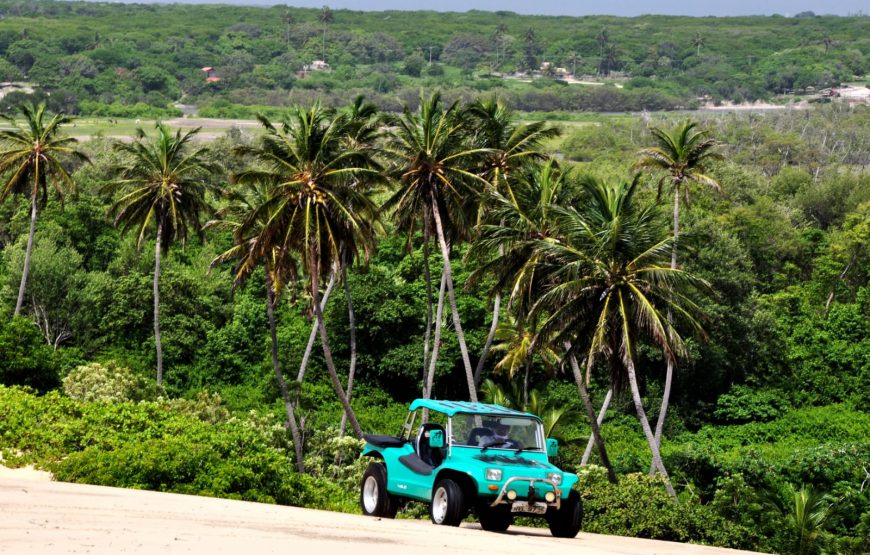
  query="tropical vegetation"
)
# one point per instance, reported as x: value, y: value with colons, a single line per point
x: 763, y: 310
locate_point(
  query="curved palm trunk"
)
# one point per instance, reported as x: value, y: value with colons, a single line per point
x: 526, y: 382
x: 669, y: 373
x: 327, y: 354
x: 157, y: 342
x: 26, y: 270
x: 591, y: 443
x: 436, y: 345
x: 445, y: 253
x: 352, y: 370
x: 496, y: 308
x: 427, y: 275
x: 279, y: 376
x: 312, y: 337
x: 496, y: 311
x: 650, y: 438
x: 593, y: 422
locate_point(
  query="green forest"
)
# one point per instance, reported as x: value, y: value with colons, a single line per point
x: 228, y: 316
x: 139, y: 60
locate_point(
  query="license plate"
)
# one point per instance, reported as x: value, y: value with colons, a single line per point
x: 523, y: 507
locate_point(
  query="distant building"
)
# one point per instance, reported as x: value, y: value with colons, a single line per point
x: 210, y: 75
x: 316, y: 65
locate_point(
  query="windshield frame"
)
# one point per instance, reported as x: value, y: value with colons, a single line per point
x: 540, y: 439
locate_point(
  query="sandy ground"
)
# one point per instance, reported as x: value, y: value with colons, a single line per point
x: 38, y: 516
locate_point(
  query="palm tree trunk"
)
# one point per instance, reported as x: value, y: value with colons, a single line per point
x: 157, y: 343
x: 352, y: 323
x: 593, y: 422
x: 526, y: 383
x: 496, y: 307
x: 312, y: 337
x: 669, y: 373
x: 327, y: 353
x: 588, y: 452
x: 427, y: 275
x: 445, y: 253
x: 28, y: 253
x: 279, y: 376
x: 644, y: 423
x: 436, y: 344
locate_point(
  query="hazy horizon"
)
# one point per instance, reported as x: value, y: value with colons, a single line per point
x: 627, y: 8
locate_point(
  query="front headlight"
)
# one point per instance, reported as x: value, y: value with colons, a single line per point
x: 493, y: 474
x: 556, y: 477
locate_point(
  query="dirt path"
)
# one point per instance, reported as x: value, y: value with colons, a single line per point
x: 43, y: 517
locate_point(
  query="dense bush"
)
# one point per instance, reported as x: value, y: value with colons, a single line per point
x: 107, y: 382
x: 638, y: 506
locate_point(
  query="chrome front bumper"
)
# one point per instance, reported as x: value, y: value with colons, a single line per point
x: 532, y: 481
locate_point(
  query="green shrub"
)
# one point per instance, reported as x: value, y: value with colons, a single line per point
x: 107, y: 382
x: 638, y: 506
x: 743, y: 404
x: 25, y: 358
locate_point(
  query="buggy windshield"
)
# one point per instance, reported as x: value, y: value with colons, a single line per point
x: 497, y: 432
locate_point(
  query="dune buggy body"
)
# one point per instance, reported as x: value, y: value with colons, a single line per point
x: 449, y: 455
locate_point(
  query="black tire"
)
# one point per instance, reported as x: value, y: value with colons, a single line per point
x: 494, y: 519
x: 448, y: 506
x: 567, y: 521
x: 374, y: 499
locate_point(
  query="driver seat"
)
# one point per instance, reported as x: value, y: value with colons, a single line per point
x: 431, y: 456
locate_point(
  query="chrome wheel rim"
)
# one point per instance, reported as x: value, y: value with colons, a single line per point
x: 370, y: 494
x: 439, y: 505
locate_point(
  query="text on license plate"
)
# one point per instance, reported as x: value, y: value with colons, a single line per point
x: 523, y: 507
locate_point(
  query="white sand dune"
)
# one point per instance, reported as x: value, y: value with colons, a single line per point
x: 38, y: 516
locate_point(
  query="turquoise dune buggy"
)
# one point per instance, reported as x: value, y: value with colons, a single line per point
x: 470, y: 456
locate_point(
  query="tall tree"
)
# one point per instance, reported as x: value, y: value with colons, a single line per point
x: 531, y: 50
x: 326, y: 17
x: 280, y: 267
x: 698, y: 42
x: 32, y: 156
x: 362, y: 134
x: 602, y: 38
x: 314, y: 210
x: 512, y: 145
x: 520, y: 267
x: 434, y: 172
x: 609, y: 285
x: 683, y: 155
x: 165, y: 184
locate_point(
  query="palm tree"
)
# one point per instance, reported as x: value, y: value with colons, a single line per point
x: 363, y: 131
x: 326, y: 17
x: 520, y: 266
x: 608, y: 286
x: 683, y: 156
x: 518, y: 343
x: 32, y: 157
x: 279, y: 268
x: 806, y: 513
x: 602, y: 38
x: 512, y: 145
x: 611, y: 58
x: 164, y: 185
x: 314, y: 208
x: 434, y: 172
x: 698, y: 41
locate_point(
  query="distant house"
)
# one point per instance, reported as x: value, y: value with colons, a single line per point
x: 316, y: 65
x: 210, y: 75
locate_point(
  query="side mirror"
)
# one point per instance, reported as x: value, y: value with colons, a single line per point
x: 552, y: 447
x: 436, y: 439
